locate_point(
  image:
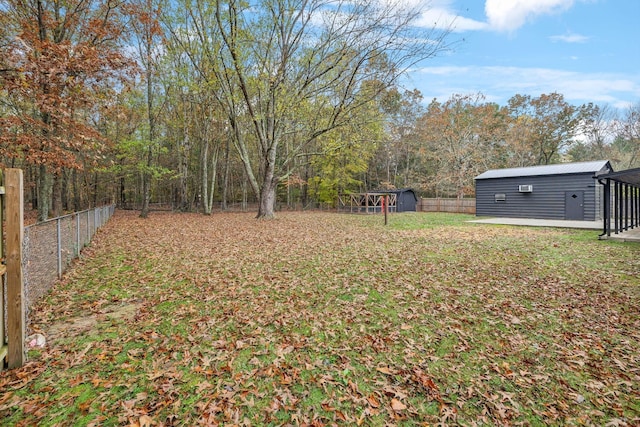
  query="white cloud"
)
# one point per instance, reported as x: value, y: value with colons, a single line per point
x: 444, y: 19
x: 569, y: 38
x: 502, y: 15
x: 444, y: 71
x: 509, y: 15
x: 501, y: 83
x: 573, y: 85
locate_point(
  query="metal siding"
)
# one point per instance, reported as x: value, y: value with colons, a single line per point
x: 406, y: 200
x: 599, y: 200
x: 409, y: 200
x: 546, y: 201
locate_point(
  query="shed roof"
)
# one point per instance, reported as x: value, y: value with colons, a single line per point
x: 596, y: 167
x: 395, y: 191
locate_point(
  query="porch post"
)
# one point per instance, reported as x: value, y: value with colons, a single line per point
x: 606, y: 215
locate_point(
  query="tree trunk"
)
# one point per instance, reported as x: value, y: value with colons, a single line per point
x: 208, y: 190
x: 214, y: 173
x: 146, y: 175
x: 266, y: 209
x: 95, y: 189
x: 122, y: 193
x: 206, y: 209
x: 33, y: 188
x: 184, y: 172
x: 76, y: 190
x: 267, y: 201
x: 183, y: 166
x: 407, y: 168
x: 146, y: 187
x: 65, y: 191
x: 57, y: 194
x: 305, y: 188
x: 244, y: 195
x: 44, y: 193
x: 225, y: 180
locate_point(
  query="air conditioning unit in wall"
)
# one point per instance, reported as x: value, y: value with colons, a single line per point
x: 525, y: 188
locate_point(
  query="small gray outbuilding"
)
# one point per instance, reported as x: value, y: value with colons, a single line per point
x: 406, y: 199
x: 565, y: 191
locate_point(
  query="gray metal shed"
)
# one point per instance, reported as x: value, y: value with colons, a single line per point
x: 406, y: 199
x: 561, y: 191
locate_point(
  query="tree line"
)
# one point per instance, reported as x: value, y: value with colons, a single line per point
x: 202, y: 104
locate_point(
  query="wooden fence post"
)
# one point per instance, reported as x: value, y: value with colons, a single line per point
x: 3, y: 270
x: 16, y: 315
x: 386, y: 208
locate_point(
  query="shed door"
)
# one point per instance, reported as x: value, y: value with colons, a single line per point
x: 574, y: 205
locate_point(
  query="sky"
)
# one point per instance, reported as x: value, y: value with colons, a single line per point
x: 586, y: 50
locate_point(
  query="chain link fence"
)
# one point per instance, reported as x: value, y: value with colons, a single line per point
x: 50, y: 246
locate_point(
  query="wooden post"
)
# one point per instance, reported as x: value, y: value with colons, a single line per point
x: 15, y: 286
x: 386, y: 207
x: 3, y: 269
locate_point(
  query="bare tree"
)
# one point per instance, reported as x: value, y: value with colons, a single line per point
x: 295, y: 70
x: 628, y: 136
x: 550, y: 122
x: 147, y: 33
x: 462, y: 137
x: 596, y: 131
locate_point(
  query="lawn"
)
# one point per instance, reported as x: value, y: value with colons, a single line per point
x: 331, y: 319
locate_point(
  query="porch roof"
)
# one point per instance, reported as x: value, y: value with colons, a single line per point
x: 629, y: 176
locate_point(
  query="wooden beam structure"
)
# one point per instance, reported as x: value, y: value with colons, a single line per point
x: 372, y: 202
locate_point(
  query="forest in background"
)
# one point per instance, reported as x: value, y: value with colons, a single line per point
x: 200, y: 105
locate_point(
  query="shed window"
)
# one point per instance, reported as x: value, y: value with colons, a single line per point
x: 500, y: 198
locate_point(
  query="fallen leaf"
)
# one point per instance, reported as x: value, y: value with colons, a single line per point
x: 396, y: 405
x: 146, y: 421
x: 385, y: 370
x: 373, y: 401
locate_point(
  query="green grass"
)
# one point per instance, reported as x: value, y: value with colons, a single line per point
x: 323, y: 318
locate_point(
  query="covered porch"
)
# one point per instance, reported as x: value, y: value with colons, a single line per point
x: 621, y: 205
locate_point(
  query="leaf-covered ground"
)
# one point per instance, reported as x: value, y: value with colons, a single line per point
x: 327, y: 319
